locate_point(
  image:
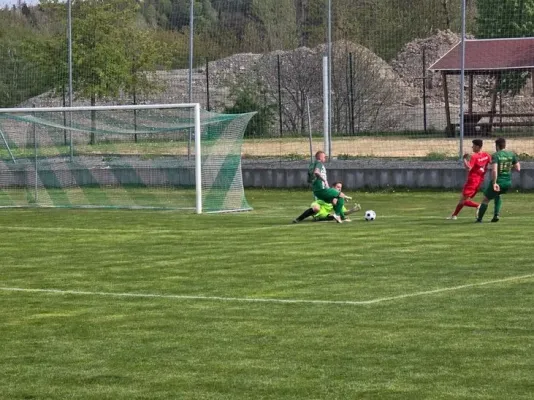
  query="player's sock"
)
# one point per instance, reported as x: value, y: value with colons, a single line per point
x: 498, y: 206
x: 458, y: 209
x: 482, y: 211
x: 470, y: 203
x: 338, y: 208
x: 308, y: 213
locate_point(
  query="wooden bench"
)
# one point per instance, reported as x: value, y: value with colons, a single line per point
x: 475, y: 126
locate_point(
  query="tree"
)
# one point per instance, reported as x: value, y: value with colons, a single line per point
x: 506, y: 19
x: 275, y: 23
x: 252, y: 97
x: 111, y: 53
x: 19, y: 76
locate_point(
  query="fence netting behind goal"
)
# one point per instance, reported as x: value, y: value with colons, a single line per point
x: 135, y: 158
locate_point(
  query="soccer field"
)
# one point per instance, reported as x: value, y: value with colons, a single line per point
x: 116, y: 304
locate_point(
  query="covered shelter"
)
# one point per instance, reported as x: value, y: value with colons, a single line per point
x: 491, y: 57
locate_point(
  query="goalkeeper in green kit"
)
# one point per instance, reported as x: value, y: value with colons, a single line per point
x: 503, y: 162
x: 322, y: 191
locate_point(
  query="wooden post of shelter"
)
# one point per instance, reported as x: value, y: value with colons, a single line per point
x: 493, y: 108
x: 470, y: 104
x: 450, y: 128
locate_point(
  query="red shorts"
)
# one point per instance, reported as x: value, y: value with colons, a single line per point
x: 471, y: 187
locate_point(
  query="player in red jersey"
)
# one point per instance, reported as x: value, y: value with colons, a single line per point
x: 476, y: 165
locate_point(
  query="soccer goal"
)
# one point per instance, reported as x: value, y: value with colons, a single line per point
x: 173, y: 156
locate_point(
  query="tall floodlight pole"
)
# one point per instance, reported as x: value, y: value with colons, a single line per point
x: 329, y: 78
x: 190, y: 83
x: 462, y: 80
x: 69, y: 44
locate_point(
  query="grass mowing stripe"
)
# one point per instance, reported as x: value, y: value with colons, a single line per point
x: 265, y: 300
x: 462, y: 341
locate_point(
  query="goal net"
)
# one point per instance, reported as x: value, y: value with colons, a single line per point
x: 146, y: 156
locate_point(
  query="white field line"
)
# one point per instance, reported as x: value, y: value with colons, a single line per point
x: 266, y: 300
x: 140, y: 230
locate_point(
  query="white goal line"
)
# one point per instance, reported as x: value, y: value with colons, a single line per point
x: 267, y: 300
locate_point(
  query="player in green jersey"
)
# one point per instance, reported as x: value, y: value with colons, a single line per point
x: 503, y: 162
x: 322, y: 191
x: 323, y: 211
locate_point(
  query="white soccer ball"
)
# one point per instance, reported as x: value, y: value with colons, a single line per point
x: 370, y: 215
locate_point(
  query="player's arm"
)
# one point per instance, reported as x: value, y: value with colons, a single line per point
x: 467, y: 162
x: 317, y: 173
x: 343, y: 195
x: 494, y: 175
x: 516, y: 165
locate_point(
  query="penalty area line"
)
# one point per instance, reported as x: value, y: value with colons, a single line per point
x: 267, y: 300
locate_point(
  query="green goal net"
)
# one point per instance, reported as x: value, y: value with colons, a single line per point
x: 151, y: 156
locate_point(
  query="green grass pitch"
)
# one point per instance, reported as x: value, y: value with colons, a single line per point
x: 116, y: 304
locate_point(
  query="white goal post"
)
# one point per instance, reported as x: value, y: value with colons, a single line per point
x: 170, y: 126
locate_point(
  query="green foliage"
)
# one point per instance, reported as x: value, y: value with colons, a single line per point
x: 436, y: 156
x: 276, y: 27
x: 506, y: 19
x: 344, y: 156
x: 145, y: 55
x: 525, y: 157
x: 253, y: 98
x: 20, y: 77
x: 102, y: 65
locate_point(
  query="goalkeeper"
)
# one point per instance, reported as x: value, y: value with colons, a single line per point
x: 320, y: 210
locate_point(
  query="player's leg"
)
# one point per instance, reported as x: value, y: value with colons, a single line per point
x: 482, y: 209
x: 338, y: 209
x: 345, y: 215
x: 354, y: 209
x: 329, y: 195
x: 498, y: 204
x: 497, y: 208
x: 308, y: 213
x: 489, y: 194
x: 314, y: 209
x: 469, y: 202
x: 459, y: 206
x: 324, y: 211
x: 326, y: 195
x: 468, y: 192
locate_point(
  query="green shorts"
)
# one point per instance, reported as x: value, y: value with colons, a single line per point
x: 491, y: 194
x: 326, y: 194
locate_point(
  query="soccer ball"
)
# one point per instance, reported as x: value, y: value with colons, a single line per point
x: 370, y: 215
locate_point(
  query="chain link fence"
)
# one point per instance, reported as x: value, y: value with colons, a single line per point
x: 267, y: 56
